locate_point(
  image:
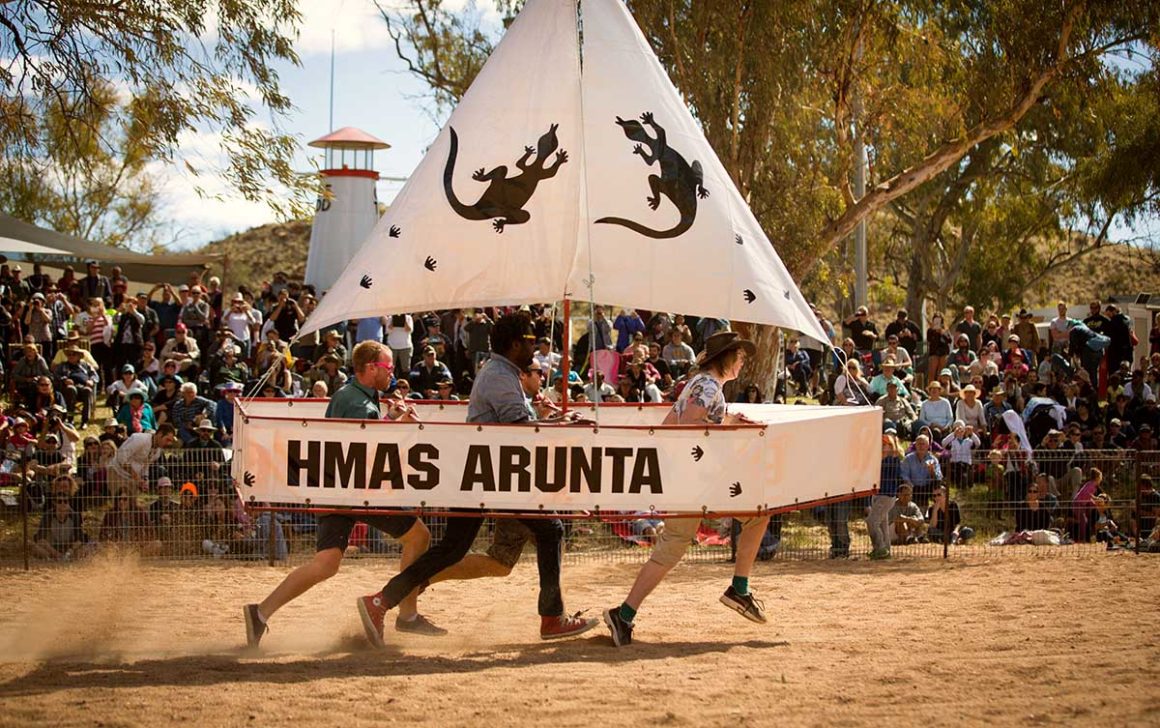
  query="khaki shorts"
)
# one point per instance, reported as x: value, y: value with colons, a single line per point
x: 508, y: 541
x: 673, y: 542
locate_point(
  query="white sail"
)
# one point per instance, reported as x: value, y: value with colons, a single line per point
x: 668, y: 230
x: 432, y: 250
x: 683, y: 241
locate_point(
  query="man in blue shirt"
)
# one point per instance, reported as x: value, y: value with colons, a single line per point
x: 497, y: 396
x: 357, y: 399
x: 921, y: 469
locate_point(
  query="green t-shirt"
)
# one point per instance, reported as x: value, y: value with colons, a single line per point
x: 355, y: 402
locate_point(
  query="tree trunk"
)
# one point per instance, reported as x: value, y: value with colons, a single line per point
x: 762, y: 369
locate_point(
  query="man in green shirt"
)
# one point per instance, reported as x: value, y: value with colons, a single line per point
x: 357, y: 399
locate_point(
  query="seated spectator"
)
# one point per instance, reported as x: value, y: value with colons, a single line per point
x: 900, y: 356
x: 1016, y: 367
x: 228, y: 369
x: 327, y: 371
x: 950, y: 388
x: 167, y: 393
x: 184, y: 350
x: 944, y: 514
x: 27, y: 371
x: 61, y: 536
x: 90, y: 472
x: 1106, y: 529
x: 797, y: 366
x: 897, y: 410
x: 1037, y: 513
x: 850, y: 388
x: 679, y: 355
x: 751, y: 395
x: 906, y: 519
x: 546, y: 359
x: 962, y: 358
x: 961, y: 442
x: 119, y: 390
x: 970, y: 410
x: 149, y: 366
x: 936, y: 412
x: 402, y: 390
x: 604, y: 389
x: 163, y: 511
x: 187, y: 411
x: 128, y: 524
x: 425, y: 375
x: 224, y: 412
x: 879, y: 382
x: 136, y: 414
x: 1149, y: 503
x: 222, y: 534
x: 76, y: 380
x: 332, y: 344
x: 318, y: 390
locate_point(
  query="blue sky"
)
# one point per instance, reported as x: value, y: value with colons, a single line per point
x: 373, y: 91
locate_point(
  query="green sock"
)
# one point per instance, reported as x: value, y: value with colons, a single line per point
x: 741, y: 585
x: 627, y: 613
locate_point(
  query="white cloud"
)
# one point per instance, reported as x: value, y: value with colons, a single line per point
x: 357, y: 26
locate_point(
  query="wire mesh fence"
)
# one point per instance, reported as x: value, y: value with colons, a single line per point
x: 1061, y: 502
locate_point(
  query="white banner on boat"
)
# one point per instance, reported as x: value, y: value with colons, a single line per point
x: 442, y: 465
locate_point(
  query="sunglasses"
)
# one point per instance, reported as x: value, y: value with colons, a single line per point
x: 383, y: 365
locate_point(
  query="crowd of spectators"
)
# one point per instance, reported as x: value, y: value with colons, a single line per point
x: 979, y: 402
x: 1034, y: 419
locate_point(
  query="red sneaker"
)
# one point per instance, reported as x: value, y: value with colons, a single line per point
x: 555, y: 628
x: 372, y: 609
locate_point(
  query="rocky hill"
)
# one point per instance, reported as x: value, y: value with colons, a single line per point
x: 256, y: 254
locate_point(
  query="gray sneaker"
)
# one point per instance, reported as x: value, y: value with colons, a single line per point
x: 419, y: 625
x: 620, y: 629
x: 747, y: 605
x: 255, y: 627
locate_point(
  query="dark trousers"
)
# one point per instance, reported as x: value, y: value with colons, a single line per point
x: 456, y: 542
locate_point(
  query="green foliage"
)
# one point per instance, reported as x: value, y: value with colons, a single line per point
x: 182, y: 66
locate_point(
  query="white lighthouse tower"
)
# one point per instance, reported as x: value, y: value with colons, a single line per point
x: 347, y: 210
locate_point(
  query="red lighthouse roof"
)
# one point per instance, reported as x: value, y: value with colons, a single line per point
x: 351, y: 138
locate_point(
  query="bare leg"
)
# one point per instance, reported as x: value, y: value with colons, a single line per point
x: 748, y: 544
x: 651, y: 574
x: 323, y: 566
x: 472, y: 566
x: 415, y: 543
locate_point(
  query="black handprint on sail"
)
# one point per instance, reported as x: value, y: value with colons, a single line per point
x: 735, y: 489
x: 698, y: 453
x: 248, y: 479
x: 430, y: 264
x: 681, y: 182
x: 504, y: 199
x: 366, y: 281
x: 394, y: 231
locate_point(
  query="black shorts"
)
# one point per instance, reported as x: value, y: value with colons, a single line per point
x: 507, y: 541
x: 334, y: 529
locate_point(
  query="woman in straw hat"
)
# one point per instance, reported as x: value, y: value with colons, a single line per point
x: 701, y: 403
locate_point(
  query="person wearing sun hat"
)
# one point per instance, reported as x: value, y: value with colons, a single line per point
x: 702, y: 402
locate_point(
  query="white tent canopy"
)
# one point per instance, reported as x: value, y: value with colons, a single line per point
x: 549, y: 182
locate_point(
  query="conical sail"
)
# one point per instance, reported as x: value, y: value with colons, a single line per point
x: 667, y: 229
x: 489, y: 216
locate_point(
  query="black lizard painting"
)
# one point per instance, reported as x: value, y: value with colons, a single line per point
x: 680, y: 181
x: 504, y: 199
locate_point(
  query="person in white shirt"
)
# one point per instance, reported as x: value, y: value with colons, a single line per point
x: 129, y: 468
x: 961, y: 442
x: 399, y: 341
x: 240, y: 323
x: 1058, y: 329
x: 547, y: 360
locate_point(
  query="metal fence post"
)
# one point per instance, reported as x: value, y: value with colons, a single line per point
x: 1136, y: 486
x: 271, y: 541
x: 24, y: 507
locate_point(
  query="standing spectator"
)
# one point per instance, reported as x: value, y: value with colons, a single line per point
x: 370, y: 328
x: 881, y: 504
x: 906, y: 333
x: 187, y: 411
x: 119, y: 284
x: 601, y: 330
x: 272, y: 350
x: 1089, y: 344
x: 152, y: 323
x: 128, y: 337
x: 1095, y: 320
x: 399, y: 330
x: 97, y: 325
x: 1025, y: 332
x: 238, y: 321
x: 95, y: 285
x: 972, y: 328
x: 863, y: 331
x: 1119, y: 330
x: 37, y: 322
x: 195, y: 314
x: 478, y: 338
x: 129, y: 468
x: 168, y: 310
x: 938, y: 347
x: 224, y: 412
x: 1057, y: 330
x: 961, y: 442
x: 627, y: 324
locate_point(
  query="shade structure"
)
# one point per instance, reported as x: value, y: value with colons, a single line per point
x: 24, y: 241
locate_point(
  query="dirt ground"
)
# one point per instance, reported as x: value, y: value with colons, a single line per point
x: 1013, y: 640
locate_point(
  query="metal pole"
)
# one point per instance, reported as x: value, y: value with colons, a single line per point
x: 1136, y: 485
x: 332, y: 79
x: 24, y: 506
x: 272, y: 543
x: 860, y: 265
x: 565, y: 355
